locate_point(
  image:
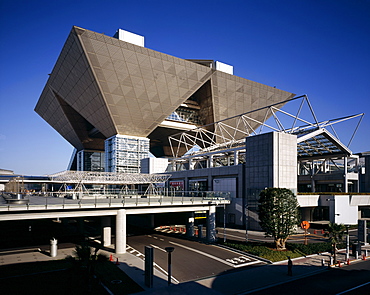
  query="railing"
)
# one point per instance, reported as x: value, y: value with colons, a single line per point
x: 90, y: 199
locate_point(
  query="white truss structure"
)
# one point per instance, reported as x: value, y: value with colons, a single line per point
x: 230, y: 133
x: 109, y: 178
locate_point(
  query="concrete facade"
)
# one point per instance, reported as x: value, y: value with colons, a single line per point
x: 271, y: 161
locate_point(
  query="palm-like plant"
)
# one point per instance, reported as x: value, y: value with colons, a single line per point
x: 335, y: 233
x: 88, y: 257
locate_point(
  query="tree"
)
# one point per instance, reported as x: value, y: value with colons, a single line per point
x: 88, y: 257
x: 335, y: 233
x: 278, y: 213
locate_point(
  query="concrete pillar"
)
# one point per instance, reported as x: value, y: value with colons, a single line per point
x: 313, y: 187
x: 362, y: 231
x: 190, y: 225
x: 210, y: 161
x: 358, y: 174
x: 121, y: 231
x: 191, y: 164
x: 236, y: 157
x: 106, y: 237
x: 211, y: 224
x: 345, y: 175
x: 151, y: 221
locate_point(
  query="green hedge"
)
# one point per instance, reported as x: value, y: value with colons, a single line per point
x: 313, y: 248
x: 267, y: 251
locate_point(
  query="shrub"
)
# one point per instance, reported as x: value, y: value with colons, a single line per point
x: 265, y: 250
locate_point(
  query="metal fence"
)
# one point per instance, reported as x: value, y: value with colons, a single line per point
x: 110, y: 198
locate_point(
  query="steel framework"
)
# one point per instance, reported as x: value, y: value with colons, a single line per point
x: 313, y: 138
x: 109, y: 178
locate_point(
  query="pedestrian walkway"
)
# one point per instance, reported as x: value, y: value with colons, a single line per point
x: 131, y: 264
x: 234, y: 282
x: 253, y: 279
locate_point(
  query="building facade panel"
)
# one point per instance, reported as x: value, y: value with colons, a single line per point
x: 101, y: 87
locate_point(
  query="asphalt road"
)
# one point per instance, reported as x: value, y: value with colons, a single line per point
x: 191, y: 260
x: 348, y: 280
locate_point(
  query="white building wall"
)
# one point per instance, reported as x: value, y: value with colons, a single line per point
x: 344, y: 212
x: 154, y: 165
x: 220, y: 66
x: 129, y: 37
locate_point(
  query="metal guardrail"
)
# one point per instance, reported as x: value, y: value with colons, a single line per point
x: 75, y: 200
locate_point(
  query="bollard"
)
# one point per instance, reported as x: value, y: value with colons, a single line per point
x: 348, y: 261
x: 331, y: 260
x: 314, y: 232
x: 322, y: 231
x: 323, y: 262
x: 339, y: 265
x: 363, y: 257
x: 117, y: 263
x: 53, y: 247
x: 111, y: 257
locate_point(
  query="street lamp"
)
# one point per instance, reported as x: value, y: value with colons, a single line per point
x: 347, y: 244
x: 169, y: 250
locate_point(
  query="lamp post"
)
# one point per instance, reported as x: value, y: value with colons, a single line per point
x: 347, y: 242
x: 169, y: 250
x: 224, y: 223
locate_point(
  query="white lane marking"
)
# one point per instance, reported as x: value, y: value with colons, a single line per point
x: 354, y: 288
x: 157, y: 247
x: 165, y: 272
x: 204, y: 254
x: 155, y: 264
x: 248, y: 263
x: 161, y: 239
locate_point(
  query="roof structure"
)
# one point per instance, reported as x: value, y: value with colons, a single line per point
x: 101, y: 86
x: 313, y: 139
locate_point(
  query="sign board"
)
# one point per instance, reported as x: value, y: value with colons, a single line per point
x: 305, y: 225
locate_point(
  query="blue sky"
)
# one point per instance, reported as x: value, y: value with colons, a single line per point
x: 316, y: 47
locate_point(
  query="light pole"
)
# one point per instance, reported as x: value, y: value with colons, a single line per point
x: 169, y: 250
x: 224, y: 223
x: 347, y: 240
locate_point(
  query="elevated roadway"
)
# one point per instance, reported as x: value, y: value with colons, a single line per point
x: 47, y: 207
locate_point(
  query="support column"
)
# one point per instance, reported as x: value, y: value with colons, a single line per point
x: 211, y: 224
x: 210, y: 161
x: 236, y: 157
x: 191, y: 164
x: 358, y: 174
x: 190, y: 225
x: 345, y: 175
x: 106, y: 237
x: 121, y: 231
x: 313, y: 187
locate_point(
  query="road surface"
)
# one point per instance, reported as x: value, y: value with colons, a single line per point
x: 191, y: 260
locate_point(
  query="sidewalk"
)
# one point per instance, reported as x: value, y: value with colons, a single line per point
x: 131, y: 264
x: 234, y: 282
x: 252, y: 279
